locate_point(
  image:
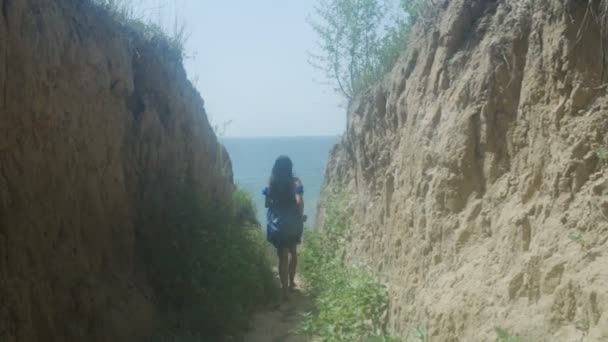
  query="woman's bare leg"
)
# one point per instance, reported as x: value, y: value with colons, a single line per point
x: 283, y: 272
x: 293, y: 263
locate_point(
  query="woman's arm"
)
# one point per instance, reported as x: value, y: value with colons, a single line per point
x: 299, y: 195
x: 265, y: 192
x: 300, y: 203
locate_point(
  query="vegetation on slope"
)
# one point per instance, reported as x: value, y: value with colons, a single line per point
x: 209, y: 270
x: 350, y: 302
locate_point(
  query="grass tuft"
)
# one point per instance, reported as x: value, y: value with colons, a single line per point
x: 602, y: 153
x: 123, y: 12
x: 505, y: 336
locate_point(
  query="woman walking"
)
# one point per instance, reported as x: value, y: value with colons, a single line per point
x: 285, y: 203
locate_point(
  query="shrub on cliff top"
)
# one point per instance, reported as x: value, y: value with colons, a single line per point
x: 360, y: 40
x: 123, y: 12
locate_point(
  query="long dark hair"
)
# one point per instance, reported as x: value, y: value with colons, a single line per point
x: 281, y: 184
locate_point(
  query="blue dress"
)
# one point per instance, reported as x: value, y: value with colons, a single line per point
x: 284, y: 226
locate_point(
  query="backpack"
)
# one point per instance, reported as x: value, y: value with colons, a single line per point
x: 285, y: 224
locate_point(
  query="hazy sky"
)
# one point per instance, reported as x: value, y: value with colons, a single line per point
x: 250, y: 65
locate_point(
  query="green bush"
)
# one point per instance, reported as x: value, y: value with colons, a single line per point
x: 209, y: 269
x: 350, y: 302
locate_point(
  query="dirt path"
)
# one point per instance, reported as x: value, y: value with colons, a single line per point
x: 277, y: 324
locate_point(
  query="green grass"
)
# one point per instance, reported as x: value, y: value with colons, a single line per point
x: 578, y: 238
x: 582, y: 325
x: 505, y: 336
x: 172, y: 39
x: 351, y: 303
x: 602, y: 153
x: 421, y: 334
x: 209, y: 269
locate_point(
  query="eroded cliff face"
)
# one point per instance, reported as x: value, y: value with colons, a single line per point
x: 475, y: 189
x: 99, y: 130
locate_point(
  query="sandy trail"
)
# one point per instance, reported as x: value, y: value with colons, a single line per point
x: 278, y: 323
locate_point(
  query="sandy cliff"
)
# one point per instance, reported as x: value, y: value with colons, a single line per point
x: 475, y: 187
x: 98, y: 131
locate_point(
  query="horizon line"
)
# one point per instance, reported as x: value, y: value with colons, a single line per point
x: 282, y: 136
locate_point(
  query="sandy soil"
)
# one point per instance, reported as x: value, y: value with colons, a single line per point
x: 277, y: 324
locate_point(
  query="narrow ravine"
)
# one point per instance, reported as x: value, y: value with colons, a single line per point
x: 466, y: 201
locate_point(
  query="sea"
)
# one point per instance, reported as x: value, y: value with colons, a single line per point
x: 253, y: 158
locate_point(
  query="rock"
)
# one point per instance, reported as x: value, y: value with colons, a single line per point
x: 99, y: 129
x: 491, y: 167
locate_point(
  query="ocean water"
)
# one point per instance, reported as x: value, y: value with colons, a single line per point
x: 253, y: 158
